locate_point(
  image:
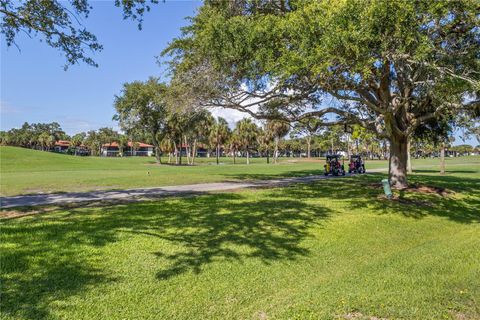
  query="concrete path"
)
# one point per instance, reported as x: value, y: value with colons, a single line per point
x: 145, y: 193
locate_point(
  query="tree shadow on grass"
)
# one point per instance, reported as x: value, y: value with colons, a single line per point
x: 52, y: 257
x: 463, y: 206
x: 366, y: 192
x: 33, y: 277
x: 228, y: 227
x: 459, y: 184
x: 267, y: 229
x: 48, y: 258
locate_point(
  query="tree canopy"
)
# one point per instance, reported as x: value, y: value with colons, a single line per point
x: 142, y: 107
x: 389, y: 66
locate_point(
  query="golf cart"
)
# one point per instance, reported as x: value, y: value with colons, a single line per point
x: 356, y: 164
x: 333, y: 166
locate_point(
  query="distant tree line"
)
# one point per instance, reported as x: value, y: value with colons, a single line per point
x: 36, y: 135
x: 184, y: 133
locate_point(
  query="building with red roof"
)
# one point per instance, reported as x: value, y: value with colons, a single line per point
x: 132, y: 149
x: 62, y: 146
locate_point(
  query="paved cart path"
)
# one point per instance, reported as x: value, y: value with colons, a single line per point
x: 145, y: 193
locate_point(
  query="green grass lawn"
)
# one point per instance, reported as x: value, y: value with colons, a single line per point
x: 327, y: 250
x: 25, y: 171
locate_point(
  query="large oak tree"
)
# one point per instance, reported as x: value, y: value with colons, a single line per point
x: 389, y: 66
x: 142, y: 107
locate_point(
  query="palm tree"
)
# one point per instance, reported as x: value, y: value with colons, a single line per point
x: 167, y: 146
x: 247, y: 132
x: 51, y: 141
x: 201, y: 125
x: 234, y: 144
x: 43, y: 140
x: 264, y: 140
x: 174, y: 130
x: 122, y: 144
x: 278, y: 129
x: 219, y: 134
x: 77, y: 140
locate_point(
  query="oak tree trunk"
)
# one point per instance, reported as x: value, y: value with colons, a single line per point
x: 158, y: 155
x: 157, y: 149
x: 398, y: 162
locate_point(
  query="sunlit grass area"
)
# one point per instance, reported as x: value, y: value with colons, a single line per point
x: 25, y: 171
x: 326, y: 250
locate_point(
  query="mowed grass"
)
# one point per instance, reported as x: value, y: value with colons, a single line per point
x: 24, y: 171
x: 334, y: 249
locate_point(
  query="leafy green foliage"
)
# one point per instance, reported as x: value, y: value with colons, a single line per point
x: 246, y: 132
x: 389, y: 66
x: 59, y: 24
x: 28, y: 135
x: 219, y: 135
x: 142, y: 108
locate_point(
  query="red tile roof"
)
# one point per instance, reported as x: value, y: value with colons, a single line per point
x: 113, y: 144
x: 62, y: 143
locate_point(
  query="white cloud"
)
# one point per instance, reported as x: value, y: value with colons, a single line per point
x: 232, y: 116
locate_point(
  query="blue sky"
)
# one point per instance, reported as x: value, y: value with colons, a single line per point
x: 35, y: 88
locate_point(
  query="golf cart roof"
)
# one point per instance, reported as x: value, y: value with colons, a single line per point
x: 333, y: 156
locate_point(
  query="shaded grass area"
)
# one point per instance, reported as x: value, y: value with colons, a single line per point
x: 322, y: 250
x: 25, y: 171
